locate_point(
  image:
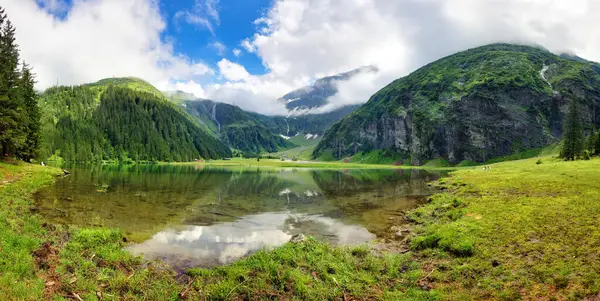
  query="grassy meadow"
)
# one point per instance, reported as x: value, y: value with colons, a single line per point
x: 523, y: 229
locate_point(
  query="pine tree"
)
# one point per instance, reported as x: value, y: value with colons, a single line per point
x: 31, y: 120
x: 590, y: 145
x: 11, y: 136
x: 596, y: 143
x: 573, y: 137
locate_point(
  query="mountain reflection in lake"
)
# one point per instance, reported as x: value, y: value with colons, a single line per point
x: 190, y: 215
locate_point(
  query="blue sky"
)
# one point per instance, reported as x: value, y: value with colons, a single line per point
x: 236, y: 23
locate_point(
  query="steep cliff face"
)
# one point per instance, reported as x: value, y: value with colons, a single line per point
x: 478, y: 104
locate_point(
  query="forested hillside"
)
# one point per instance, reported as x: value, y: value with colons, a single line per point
x: 254, y: 133
x: 107, y: 122
x: 475, y: 105
x: 239, y: 129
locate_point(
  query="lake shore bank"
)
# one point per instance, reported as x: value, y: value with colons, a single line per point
x: 275, y: 163
x: 504, y: 233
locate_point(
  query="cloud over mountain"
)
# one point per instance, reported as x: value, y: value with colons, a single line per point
x: 297, y: 41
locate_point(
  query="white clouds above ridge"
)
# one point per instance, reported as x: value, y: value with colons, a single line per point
x: 296, y: 40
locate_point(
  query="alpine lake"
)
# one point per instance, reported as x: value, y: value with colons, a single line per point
x: 195, y: 215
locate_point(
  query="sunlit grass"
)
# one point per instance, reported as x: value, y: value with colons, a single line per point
x: 521, y: 229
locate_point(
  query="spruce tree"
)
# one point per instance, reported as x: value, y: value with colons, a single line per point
x: 596, y: 143
x: 590, y: 145
x: 11, y: 113
x: 31, y: 120
x: 573, y: 137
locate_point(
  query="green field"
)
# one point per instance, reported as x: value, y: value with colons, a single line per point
x: 524, y: 229
x: 302, y: 152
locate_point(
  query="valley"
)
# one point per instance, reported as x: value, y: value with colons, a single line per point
x: 431, y: 175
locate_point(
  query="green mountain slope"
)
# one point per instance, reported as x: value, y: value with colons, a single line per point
x: 237, y: 128
x: 486, y: 102
x: 255, y: 133
x: 133, y: 83
x: 121, y: 119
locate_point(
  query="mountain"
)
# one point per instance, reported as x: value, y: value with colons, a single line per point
x: 310, y: 97
x: 121, y: 119
x: 485, y: 102
x: 237, y: 128
x: 254, y: 133
x: 306, y: 124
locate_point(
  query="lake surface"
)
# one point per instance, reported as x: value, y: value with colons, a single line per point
x: 201, y: 216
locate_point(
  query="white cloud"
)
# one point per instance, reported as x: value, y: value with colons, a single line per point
x: 299, y: 39
x: 211, y: 7
x: 232, y: 71
x: 219, y: 47
x: 188, y: 87
x: 194, y: 20
x: 204, y: 14
x: 237, y: 52
x: 256, y: 93
x: 99, y: 39
x: 247, y: 44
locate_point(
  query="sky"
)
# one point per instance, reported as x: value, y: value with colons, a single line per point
x: 252, y: 52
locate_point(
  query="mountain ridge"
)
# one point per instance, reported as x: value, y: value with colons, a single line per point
x: 303, y: 100
x: 477, y: 104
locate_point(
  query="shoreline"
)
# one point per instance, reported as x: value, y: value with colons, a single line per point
x: 273, y: 163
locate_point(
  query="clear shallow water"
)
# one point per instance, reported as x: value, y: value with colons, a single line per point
x: 192, y: 215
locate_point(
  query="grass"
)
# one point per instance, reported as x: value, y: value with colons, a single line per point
x: 20, y: 234
x: 303, y: 151
x: 312, y: 270
x: 523, y: 230
x: 379, y: 157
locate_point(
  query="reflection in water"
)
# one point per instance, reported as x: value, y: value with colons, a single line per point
x: 223, y: 243
x: 199, y: 215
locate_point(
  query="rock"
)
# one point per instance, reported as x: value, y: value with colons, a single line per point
x: 401, y: 231
x: 66, y: 172
x: 298, y: 238
x: 495, y: 263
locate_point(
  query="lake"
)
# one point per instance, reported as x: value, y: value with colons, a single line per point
x: 208, y: 216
